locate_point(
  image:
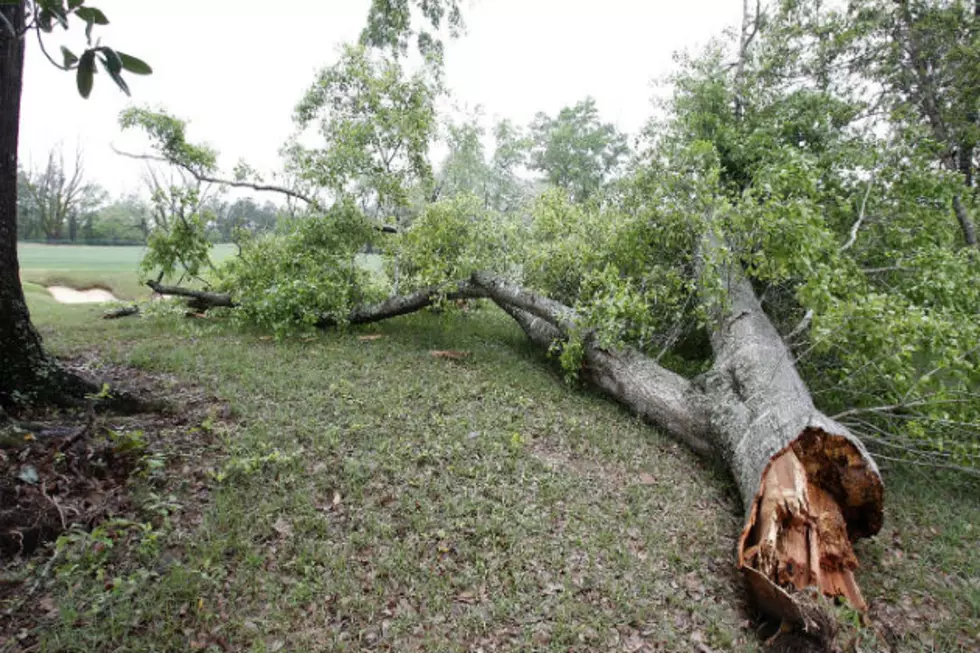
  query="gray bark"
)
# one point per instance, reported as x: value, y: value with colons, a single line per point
x: 405, y: 304
x: 199, y: 299
x: 966, y: 224
x: 760, y: 405
x: 661, y: 397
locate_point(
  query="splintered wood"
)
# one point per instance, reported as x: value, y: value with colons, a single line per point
x: 797, y: 536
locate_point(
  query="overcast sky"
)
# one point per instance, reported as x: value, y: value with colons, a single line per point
x: 236, y: 68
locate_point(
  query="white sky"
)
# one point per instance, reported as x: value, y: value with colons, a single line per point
x: 235, y: 68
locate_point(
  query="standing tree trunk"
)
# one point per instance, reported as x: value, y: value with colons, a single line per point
x: 21, y: 354
x: 25, y: 370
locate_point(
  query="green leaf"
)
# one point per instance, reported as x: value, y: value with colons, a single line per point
x: 44, y: 19
x: 111, y: 61
x: 134, y: 65
x: 75, y: 4
x: 86, y: 73
x: 69, y: 56
x: 120, y: 82
x: 92, y: 15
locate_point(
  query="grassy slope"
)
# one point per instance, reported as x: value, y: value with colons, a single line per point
x: 421, y: 504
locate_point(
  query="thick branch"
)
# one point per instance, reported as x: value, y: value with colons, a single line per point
x: 201, y: 298
x: 661, y: 397
x: 271, y: 188
x: 405, y: 304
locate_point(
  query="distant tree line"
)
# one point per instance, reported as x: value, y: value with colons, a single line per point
x: 56, y: 203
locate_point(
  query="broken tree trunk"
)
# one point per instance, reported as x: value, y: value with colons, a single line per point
x: 809, y: 487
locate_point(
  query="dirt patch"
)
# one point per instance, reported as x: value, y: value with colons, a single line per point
x: 67, y: 470
x: 65, y: 295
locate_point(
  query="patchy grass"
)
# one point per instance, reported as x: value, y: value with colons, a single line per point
x: 373, y: 497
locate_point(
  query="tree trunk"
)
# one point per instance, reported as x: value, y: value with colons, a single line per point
x: 21, y: 355
x: 809, y: 487
x: 28, y: 374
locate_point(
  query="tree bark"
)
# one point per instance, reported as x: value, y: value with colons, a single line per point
x: 809, y: 487
x: 201, y: 300
x: 27, y: 373
x: 661, y: 397
x: 22, y: 358
x: 966, y: 224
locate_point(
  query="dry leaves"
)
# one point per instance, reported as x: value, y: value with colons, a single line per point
x: 450, y: 354
x: 370, y: 337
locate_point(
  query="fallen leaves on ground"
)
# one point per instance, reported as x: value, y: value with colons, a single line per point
x: 450, y: 354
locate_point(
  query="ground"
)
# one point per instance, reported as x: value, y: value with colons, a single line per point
x: 336, y: 492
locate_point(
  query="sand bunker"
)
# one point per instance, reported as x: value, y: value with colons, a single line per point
x: 72, y: 296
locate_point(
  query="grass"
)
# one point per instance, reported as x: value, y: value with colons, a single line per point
x: 372, y: 497
x: 83, y: 266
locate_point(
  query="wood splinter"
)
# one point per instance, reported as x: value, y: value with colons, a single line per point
x: 797, y: 539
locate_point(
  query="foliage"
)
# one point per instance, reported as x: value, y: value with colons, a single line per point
x: 168, y: 135
x: 389, y: 24
x: 450, y: 240
x: 125, y: 220
x: 575, y: 150
x: 180, y: 246
x: 293, y: 280
x: 376, y: 125
x: 47, y: 15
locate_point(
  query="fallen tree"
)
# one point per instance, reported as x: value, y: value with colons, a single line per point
x: 809, y: 487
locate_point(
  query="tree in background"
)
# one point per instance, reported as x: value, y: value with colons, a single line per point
x: 126, y: 220
x: 575, y: 150
x: 59, y: 196
x: 493, y: 179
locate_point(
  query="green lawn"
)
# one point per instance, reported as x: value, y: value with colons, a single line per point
x: 83, y: 266
x: 368, y: 496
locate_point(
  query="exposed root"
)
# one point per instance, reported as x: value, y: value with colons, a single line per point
x: 816, y: 496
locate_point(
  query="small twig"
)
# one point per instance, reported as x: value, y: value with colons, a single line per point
x: 857, y: 223
x: 887, y: 268
x: 61, y: 514
x: 895, y: 407
x: 803, y: 324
